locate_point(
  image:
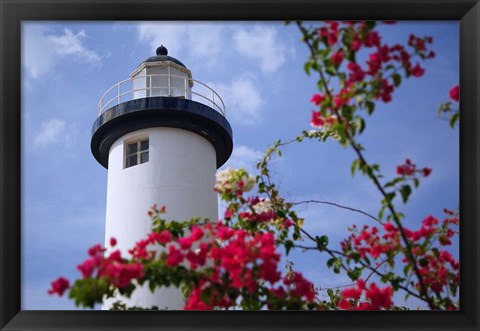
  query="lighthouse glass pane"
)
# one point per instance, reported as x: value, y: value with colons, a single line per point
x: 132, y: 148
x: 144, y: 157
x: 178, y: 84
x: 160, y: 81
x: 132, y: 160
x: 144, y: 145
x: 139, y: 84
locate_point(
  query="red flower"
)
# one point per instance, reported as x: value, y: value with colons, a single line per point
x: 351, y: 293
x: 317, y: 99
x: 426, y: 171
x: 372, y: 39
x: 174, y: 256
x: 455, y: 93
x: 356, y: 44
x: 417, y: 71
x: 337, y: 58
x: 356, y: 72
x: 121, y: 275
x: 96, y: 249
x: 162, y: 238
x: 113, y: 241
x: 59, y: 286
x: 87, y: 267
x: 317, y: 120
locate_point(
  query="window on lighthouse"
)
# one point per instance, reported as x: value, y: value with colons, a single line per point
x: 136, y: 152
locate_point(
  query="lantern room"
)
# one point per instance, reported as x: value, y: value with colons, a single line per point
x: 162, y: 76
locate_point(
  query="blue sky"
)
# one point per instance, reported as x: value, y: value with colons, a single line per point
x: 257, y: 68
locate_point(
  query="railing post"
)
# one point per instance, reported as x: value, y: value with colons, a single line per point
x: 185, y: 94
x: 118, y: 93
x: 149, y: 90
x: 169, y: 82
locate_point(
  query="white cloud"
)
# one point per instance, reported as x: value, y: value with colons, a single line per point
x: 54, y: 131
x: 71, y: 44
x: 242, y: 98
x: 200, y: 41
x: 244, y: 157
x: 42, y: 50
x: 261, y: 43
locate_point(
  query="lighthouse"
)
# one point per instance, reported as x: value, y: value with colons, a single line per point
x: 161, y: 135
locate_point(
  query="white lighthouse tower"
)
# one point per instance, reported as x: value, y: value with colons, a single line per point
x: 161, y: 140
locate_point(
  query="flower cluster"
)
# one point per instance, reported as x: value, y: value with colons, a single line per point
x: 436, y: 266
x: 376, y: 79
x: 233, y: 180
x: 409, y: 169
x: 59, y: 286
x: 112, y: 267
x: 375, y: 298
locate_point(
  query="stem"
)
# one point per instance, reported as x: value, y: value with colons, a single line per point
x: 408, y: 248
x: 339, y: 206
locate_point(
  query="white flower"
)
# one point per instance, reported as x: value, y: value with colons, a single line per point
x: 262, y: 206
x: 229, y: 179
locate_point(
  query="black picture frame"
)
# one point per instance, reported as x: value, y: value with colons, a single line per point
x: 12, y: 12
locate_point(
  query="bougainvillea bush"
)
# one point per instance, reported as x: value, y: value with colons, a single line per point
x: 236, y: 262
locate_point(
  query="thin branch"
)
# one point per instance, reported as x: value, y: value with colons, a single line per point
x: 339, y: 206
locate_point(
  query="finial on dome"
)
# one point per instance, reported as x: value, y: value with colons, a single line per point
x: 162, y: 50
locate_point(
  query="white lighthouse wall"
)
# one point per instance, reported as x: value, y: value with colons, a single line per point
x: 180, y: 175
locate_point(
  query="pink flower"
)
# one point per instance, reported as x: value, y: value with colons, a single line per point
x: 455, y: 93
x: 317, y: 120
x: 162, y: 238
x: 372, y: 39
x: 197, y: 233
x: 337, y: 58
x: 426, y: 171
x: 87, y: 267
x: 185, y: 243
x: 356, y: 72
x: 351, y: 293
x: 317, y: 99
x: 96, y: 249
x: 417, y: 71
x: 356, y: 43
x: 113, y: 241
x: 59, y: 286
x: 174, y: 257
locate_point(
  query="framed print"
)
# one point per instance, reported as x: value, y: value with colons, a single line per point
x: 214, y: 69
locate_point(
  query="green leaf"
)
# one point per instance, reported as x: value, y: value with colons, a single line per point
x: 330, y: 292
x: 361, y: 124
x: 322, y: 242
x: 406, y: 270
x: 389, y: 197
x: 307, y: 67
x: 416, y: 182
x: 354, y: 167
x: 405, y: 191
x: 397, y: 79
x: 337, y: 265
x: 288, y: 246
x: 355, y: 273
x: 331, y: 261
x: 394, y: 182
x: 370, y: 106
x: 454, y: 119
x: 370, y: 24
